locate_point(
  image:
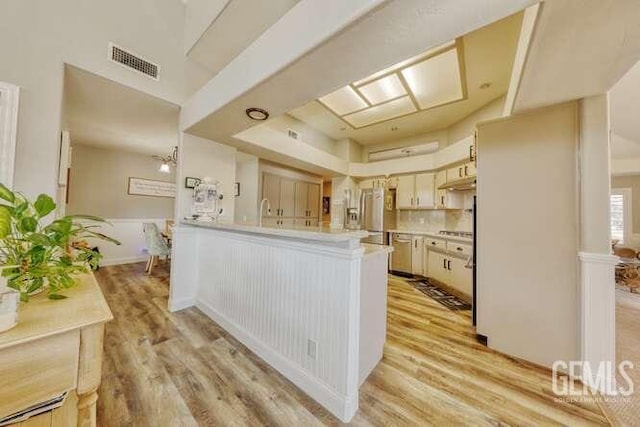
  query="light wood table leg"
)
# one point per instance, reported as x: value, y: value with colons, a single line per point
x: 89, y: 373
x: 87, y: 409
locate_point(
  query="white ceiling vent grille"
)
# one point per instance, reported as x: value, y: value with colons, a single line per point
x: 133, y: 61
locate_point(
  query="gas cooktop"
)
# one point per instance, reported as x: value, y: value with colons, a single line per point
x: 457, y: 233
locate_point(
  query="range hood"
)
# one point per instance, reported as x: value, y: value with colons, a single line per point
x: 460, y: 184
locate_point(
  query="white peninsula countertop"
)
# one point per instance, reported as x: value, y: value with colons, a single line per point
x: 324, y: 234
x: 435, y: 235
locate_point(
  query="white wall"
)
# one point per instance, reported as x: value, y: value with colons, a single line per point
x: 199, y: 158
x: 99, y: 183
x: 308, y: 135
x: 527, y: 235
x: 248, y: 175
x: 200, y: 14
x: 128, y: 232
x: 38, y: 36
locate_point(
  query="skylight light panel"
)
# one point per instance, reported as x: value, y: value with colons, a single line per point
x: 384, y: 89
x: 344, y: 101
x: 392, y: 109
x: 435, y: 81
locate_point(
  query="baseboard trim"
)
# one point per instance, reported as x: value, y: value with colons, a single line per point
x: 118, y: 261
x: 181, y: 304
x: 343, y: 407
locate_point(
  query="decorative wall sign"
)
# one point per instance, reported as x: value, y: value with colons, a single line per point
x: 191, y: 182
x: 149, y: 187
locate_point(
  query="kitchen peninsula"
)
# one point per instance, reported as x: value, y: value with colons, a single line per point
x: 311, y: 302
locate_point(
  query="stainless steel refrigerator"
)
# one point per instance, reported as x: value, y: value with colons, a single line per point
x: 379, y: 214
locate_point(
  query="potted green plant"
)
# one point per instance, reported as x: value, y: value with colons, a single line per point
x: 41, y: 256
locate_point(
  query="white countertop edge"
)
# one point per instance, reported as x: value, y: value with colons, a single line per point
x: 371, y: 249
x: 320, y: 234
x: 434, y: 235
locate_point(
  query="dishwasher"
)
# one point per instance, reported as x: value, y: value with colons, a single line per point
x: 401, y: 255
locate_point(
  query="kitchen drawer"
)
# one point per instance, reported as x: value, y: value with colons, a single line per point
x: 433, y: 243
x: 36, y: 371
x: 461, y: 249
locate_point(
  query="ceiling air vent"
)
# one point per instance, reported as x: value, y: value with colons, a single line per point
x: 134, y: 62
x: 293, y: 134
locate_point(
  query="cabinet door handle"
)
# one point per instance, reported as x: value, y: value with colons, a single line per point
x: 466, y: 170
x: 459, y: 172
x: 442, y: 200
x: 433, y: 243
x: 415, y: 243
x: 448, y: 265
x: 418, y: 201
x: 471, y: 159
x: 459, y: 248
x: 412, y: 201
x: 444, y: 264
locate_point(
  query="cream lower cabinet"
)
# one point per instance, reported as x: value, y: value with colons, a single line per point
x: 417, y: 255
x: 450, y: 270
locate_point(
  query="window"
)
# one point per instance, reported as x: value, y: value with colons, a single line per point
x: 620, y: 205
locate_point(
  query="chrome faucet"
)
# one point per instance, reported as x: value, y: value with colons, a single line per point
x: 261, y: 208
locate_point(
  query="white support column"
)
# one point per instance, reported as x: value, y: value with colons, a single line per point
x: 596, y: 262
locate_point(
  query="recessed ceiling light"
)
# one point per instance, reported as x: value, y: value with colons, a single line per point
x: 344, y: 101
x: 255, y: 113
x: 486, y: 85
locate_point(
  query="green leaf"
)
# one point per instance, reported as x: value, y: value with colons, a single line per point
x: 35, y: 285
x: 87, y: 217
x: 57, y: 296
x: 5, y: 223
x: 44, y: 205
x: 6, y: 194
x: 20, y: 209
x: 38, y: 239
x: 101, y: 237
x: 28, y: 224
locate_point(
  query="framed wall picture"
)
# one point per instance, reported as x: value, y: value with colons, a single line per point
x: 150, y: 187
x: 191, y: 182
x: 236, y: 189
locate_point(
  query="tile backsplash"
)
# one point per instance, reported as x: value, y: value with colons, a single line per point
x: 436, y: 220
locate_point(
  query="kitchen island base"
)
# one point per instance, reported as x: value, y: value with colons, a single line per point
x: 300, y: 302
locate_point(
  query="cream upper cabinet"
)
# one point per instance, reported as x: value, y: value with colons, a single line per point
x: 415, y: 191
x: 455, y: 173
x: 405, y: 192
x: 271, y: 192
x: 291, y: 198
x: 302, y: 199
x: 425, y: 190
x: 287, y: 197
x: 365, y: 183
x: 313, y: 204
x: 470, y: 169
x: 441, y: 178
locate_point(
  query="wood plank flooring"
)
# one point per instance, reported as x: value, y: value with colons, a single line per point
x: 181, y: 369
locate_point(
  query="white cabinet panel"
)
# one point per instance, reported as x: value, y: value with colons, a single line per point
x: 425, y: 190
x: 460, y: 277
x: 405, y: 192
x: 437, y: 267
x: 416, y: 255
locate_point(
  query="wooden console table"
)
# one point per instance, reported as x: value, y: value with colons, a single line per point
x: 55, y: 348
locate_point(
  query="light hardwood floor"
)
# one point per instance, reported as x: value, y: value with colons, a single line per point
x: 174, y: 369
